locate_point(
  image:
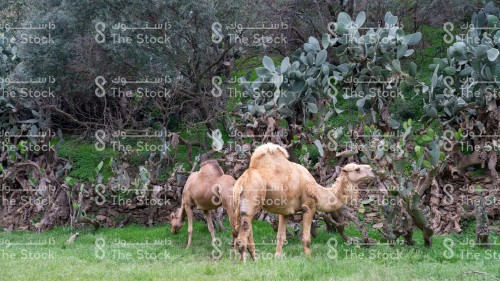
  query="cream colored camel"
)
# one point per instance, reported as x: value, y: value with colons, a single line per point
x: 207, y: 189
x: 282, y: 187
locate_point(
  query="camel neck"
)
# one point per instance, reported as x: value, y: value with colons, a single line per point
x: 181, y: 214
x: 332, y: 199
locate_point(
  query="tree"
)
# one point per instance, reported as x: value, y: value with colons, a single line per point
x: 91, y: 49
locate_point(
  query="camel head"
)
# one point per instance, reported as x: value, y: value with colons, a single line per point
x: 176, y: 223
x: 351, y: 176
x: 356, y: 173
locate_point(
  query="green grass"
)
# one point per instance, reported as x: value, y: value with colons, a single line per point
x: 85, y: 158
x: 433, y: 45
x: 479, y: 172
x: 332, y: 259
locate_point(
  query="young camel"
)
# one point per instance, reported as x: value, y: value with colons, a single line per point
x: 207, y: 189
x: 285, y: 188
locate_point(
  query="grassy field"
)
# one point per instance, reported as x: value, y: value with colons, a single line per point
x: 140, y: 253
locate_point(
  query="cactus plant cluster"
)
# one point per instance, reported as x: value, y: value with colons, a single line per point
x: 369, y: 70
x: 466, y: 82
x: 371, y: 65
x: 8, y: 52
x: 294, y: 87
x: 408, y: 164
x: 464, y: 90
x: 366, y: 65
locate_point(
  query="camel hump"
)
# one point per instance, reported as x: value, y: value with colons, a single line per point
x: 211, y: 168
x: 267, y: 149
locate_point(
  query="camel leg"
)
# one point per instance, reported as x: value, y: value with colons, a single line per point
x: 244, y: 235
x: 189, y: 213
x: 247, y: 211
x: 306, y: 230
x: 281, y: 236
x: 218, y: 219
x: 208, y: 217
x: 251, y: 245
x: 232, y: 221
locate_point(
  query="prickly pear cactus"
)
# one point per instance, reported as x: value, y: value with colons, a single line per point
x: 371, y: 71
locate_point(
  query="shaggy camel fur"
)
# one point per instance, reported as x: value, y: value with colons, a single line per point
x: 207, y: 189
x: 285, y: 188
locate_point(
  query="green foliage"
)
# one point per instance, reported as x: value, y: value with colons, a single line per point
x: 479, y: 172
x: 81, y: 28
x: 465, y: 83
x: 371, y: 70
x: 291, y: 89
x: 8, y: 59
x: 85, y: 160
x: 408, y: 107
x: 432, y: 36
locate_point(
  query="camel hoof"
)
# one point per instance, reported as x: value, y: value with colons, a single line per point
x: 242, y: 257
x: 278, y: 256
x: 307, y: 252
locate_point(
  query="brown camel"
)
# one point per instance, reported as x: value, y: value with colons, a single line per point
x: 207, y: 189
x: 279, y: 186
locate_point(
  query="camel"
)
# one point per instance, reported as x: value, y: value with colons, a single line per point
x: 279, y: 186
x: 207, y: 189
